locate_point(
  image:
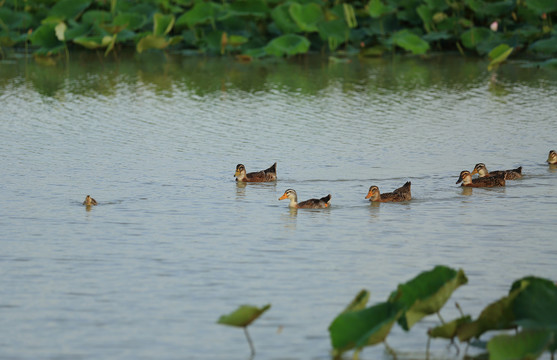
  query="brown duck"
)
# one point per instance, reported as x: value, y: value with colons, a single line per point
x: 401, y: 194
x: 322, y: 203
x: 89, y: 201
x: 489, y: 181
x: 552, y: 157
x: 269, y: 174
x: 512, y: 174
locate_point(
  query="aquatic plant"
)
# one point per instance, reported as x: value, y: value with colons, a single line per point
x: 242, y: 317
x: 256, y: 28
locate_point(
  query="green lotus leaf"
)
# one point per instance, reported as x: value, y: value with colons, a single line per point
x: 237, y: 40
x: 498, y: 315
x: 525, y: 345
x: 202, y: 12
x: 249, y: 8
x: 493, y: 9
x: 68, y: 9
x: 93, y: 42
x: 96, y: 17
x: 336, y: 32
x: 536, y: 306
x: 13, y: 19
x: 378, y: 9
x: 436, y: 36
x: 152, y: 42
x: 360, y: 328
x: 288, y: 45
x: 471, y: 38
x: 410, y: 42
x: 499, y: 55
x: 542, y: 6
x: 359, y: 302
x: 545, y: 46
x: 131, y: 21
x: 243, y: 315
x: 283, y: 20
x: 449, y: 330
x: 162, y: 24
x: 306, y: 16
x: 45, y: 38
x: 426, y: 293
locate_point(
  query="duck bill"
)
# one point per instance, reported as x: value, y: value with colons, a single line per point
x: 283, y: 197
x: 459, y: 180
x: 369, y: 194
x: 475, y: 171
x: 236, y: 173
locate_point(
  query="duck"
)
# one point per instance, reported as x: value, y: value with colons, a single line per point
x: 269, y: 174
x: 488, y: 181
x: 322, y: 203
x: 89, y: 201
x: 401, y: 194
x: 512, y: 174
x: 552, y: 157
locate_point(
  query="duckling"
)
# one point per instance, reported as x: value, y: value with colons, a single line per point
x: 488, y: 181
x: 89, y: 201
x: 269, y: 174
x: 552, y: 158
x: 512, y: 174
x: 400, y: 194
x: 308, y: 204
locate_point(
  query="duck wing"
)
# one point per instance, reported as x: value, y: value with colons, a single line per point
x: 269, y: 174
x: 315, y: 203
x: 489, y: 181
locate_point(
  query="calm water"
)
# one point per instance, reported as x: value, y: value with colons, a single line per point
x: 174, y: 242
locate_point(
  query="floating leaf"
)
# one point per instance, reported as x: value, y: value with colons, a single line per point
x: 426, y: 293
x: 289, y: 45
x: 243, y: 316
x: 357, y: 329
x: 525, y: 345
x: 306, y: 16
x: 499, y: 55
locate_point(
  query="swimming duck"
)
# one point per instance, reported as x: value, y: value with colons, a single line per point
x: 400, y: 194
x: 552, y: 158
x: 308, y: 204
x: 89, y: 201
x: 269, y: 174
x: 512, y: 174
x: 488, y: 181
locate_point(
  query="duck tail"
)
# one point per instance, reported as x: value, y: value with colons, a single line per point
x: 326, y: 199
x: 519, y: 170
x: 272, y: 169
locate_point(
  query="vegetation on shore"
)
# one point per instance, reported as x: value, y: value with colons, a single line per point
x: 255, y: 28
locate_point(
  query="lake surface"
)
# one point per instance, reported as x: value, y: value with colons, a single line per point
x: 174, y: 242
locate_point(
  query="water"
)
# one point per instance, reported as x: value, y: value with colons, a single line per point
x: 174, y: 242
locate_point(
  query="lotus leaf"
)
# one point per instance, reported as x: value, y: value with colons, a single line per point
x: 359, y: 302
x: 545, y: 46
x: 378, y: 9
x: 93, y: 42
x: 162, y: 24
x: 202, y: 12
x: 130, y: 20
x: 496, y: 316
x: 360, y: 328
x: 499, y: 55
x: 492, y: 9
x: 249, y: 8
x: 289, y: 45
x: 410, y: 42
x: 243, y: 316
x: 471, y: 38
x: 68, y: 9
x: 525, y: 345
x: 283, y: 20
x: 45, y: 38
x: 350, y: 15
x: 542, y: 6
x: 426, y: 293
x: 152, y: 42
x: 449, y: 330
x: 306, y: 16
x: 335, y: 30
x: 96, y: 17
